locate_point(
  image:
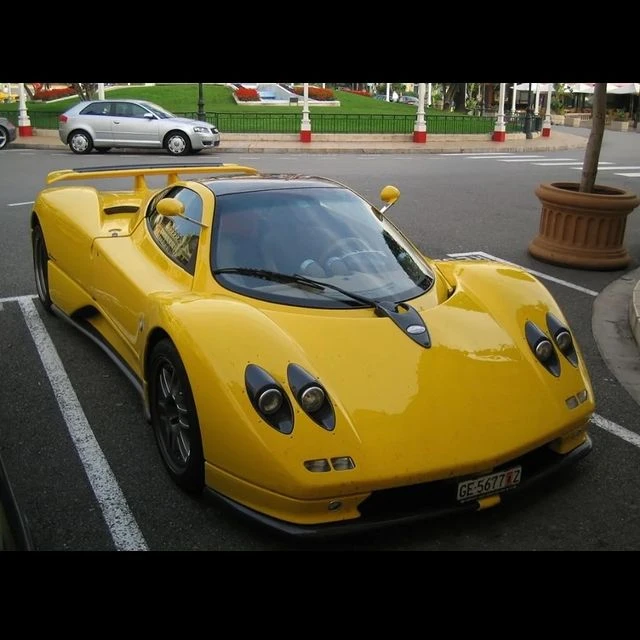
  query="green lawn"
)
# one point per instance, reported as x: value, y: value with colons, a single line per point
x: 356, y: 113
x: 219, y: 99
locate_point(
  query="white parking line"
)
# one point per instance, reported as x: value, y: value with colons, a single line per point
x: 20, y: 204
x: 493, y: 154
x: 124, y: 530
x: 539, y: 274
x: 629, y: 175
x: 558, y: 164
x: 518, y: 159
x: 628, y: 436
x: 614, y: 168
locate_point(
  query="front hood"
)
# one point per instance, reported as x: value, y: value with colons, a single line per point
x: 193, y: 123
x: 405, y: 413
x: 477, y: 395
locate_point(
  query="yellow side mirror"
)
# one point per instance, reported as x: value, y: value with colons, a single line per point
x: 170, y: 207
x: 389, y: 195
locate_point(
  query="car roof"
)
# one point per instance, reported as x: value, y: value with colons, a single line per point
x: 266, y: 182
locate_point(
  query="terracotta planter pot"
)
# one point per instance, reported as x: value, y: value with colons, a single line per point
x: 583, y: 230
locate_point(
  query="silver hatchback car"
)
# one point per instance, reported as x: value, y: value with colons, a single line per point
x: 103, y: 124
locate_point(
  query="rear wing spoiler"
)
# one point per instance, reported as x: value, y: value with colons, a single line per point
x: 141, y: 171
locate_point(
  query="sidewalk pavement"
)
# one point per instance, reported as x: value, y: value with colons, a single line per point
x: 616, y: 315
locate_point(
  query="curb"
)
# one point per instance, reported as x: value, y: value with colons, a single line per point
x: 634, y: 310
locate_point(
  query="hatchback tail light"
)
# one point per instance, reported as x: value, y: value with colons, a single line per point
x: 62, y: 118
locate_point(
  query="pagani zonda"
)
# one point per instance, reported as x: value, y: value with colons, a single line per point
x: 297, y: 355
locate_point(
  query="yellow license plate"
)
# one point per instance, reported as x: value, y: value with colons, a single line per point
x: 486, y: 485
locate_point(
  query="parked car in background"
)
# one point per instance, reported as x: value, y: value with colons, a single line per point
x: 412, y: 100
x: 105, y: 124
x: 8, y: 132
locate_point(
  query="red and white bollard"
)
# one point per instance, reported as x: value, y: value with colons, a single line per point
x: 24, y: 124
x: 500, y: 130
x: 546, y: 127
x: 420, y: 126
x: 305, y: 125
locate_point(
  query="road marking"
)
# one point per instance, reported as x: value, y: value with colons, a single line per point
x: 528, y: 159
x: 492, y: 154
x: 557, y: 164
x: 539, y: 274
x: 519, y: 159
x: 124, y: 530
x: 614, y: 168
x: 20, y: 204
x: 628, y: 436
x: 16, y: 298
x: 629, y: 175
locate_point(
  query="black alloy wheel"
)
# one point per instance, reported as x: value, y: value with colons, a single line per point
x: 41, y: 266
x: 174, y: 418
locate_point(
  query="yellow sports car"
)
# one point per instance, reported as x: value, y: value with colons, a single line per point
x: 299, y: 358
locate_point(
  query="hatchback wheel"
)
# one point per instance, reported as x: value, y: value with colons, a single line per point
x: 41, y: 266
x: 4, y: 137
x: 174, y: 418
x: 80, y: 142
x: 177, y: 144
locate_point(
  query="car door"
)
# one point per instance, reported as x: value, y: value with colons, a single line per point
x: 96, y: 118
x: 159, y: 256
x: 132, y: 125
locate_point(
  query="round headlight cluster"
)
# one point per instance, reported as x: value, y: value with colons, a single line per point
x: 270, y: 401
x: 312, y: 399
x: 564, y: 341
x: 544, y: 350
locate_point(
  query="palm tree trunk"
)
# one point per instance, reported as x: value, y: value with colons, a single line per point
x: 594, y: 145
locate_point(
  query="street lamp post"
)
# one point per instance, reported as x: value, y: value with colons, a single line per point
x: 202, y: 116
x: 527, y: 118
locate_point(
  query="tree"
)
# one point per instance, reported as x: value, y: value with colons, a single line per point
x: 594, y: 144
x: 85, y: 91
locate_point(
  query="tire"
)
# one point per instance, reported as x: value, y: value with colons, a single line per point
x: 80, y: 142
x: 4, y: 137
x: 174, y: 418
x: 103, y: 149
x: 41, y: 267
x: 177, y: 143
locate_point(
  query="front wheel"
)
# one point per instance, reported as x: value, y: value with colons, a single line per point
x: 41, y: 266
x: 4, y: 137
x: 174, y: 418
x: 80, y: 142
x: 177, y: 144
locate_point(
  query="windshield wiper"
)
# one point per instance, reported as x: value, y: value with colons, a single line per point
x: 408, y: 319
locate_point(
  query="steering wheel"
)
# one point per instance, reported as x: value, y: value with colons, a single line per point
x: 342, y: 247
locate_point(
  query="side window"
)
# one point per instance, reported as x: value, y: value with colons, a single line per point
x: 97, y: 109
x: 177, y: 236
x: 128, y: 110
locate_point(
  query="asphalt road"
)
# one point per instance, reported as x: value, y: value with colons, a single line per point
x: 89, y: 477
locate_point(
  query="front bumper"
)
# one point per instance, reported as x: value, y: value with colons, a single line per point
x: 404, y: 505
x: 205, y: 142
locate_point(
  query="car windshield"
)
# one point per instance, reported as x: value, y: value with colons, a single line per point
x: 328, y: 234
x: 159, y: 111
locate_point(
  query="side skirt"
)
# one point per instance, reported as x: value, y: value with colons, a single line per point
x: 85, y: 328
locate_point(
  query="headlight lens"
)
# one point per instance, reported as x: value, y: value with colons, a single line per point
x: 312, y: 399
x: 270, y: 401
x: 201, y: 129
x: 564, y: 341
x: 544, y: 350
